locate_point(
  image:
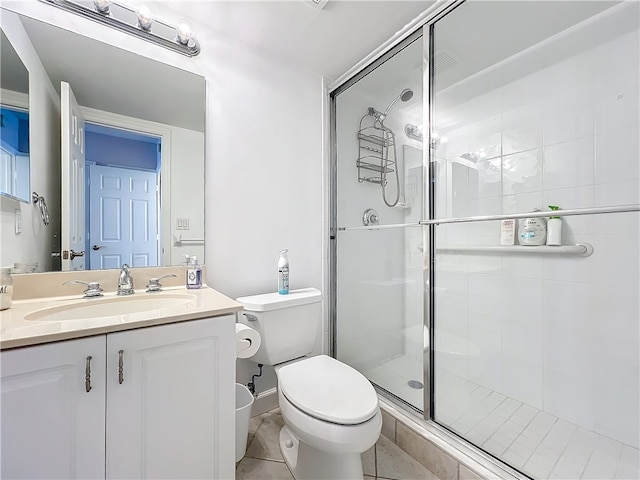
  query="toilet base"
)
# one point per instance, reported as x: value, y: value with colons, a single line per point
x: 308, y: 463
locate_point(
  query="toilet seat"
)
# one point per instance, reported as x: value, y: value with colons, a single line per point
x: 328, y: 390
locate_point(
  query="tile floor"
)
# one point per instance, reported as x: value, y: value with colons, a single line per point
x: 533, y: 441
x: 385, y: 460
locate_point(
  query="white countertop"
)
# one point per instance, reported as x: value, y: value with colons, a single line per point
x: 17, y: 331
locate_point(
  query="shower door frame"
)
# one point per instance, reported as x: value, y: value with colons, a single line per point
x: 423, y: 27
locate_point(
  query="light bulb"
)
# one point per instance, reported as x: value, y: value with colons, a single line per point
x: 102, y: 6
x: 145, y: 19
x: 183, y: 33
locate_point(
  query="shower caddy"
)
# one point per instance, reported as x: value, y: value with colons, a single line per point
x: 376, y: 152
x: 375, y: 141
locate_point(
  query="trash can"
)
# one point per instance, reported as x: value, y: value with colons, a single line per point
x: 244, y: 402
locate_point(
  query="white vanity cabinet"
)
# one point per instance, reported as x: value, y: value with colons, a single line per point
x: 161, y: 405
x: 51, y: 427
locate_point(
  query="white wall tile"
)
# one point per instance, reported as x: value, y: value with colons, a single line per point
x: 522, y: 299
x: 521, y: 203
x: 522, y: 172
x: 569, y: 398
x: 617, y: 155
x: 485, y: 331
x: 568, y: 115
x: 522, y: 129
x: 485, y: 293
x: 568, y: 164
x: 522, y: 340
x: 522, y: 381
x: 520, y: 265
x: 569, y: 328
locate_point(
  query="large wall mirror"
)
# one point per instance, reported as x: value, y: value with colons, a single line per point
x: 137, y: 126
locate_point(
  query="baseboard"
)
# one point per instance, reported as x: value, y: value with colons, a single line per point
x: 264, y: 402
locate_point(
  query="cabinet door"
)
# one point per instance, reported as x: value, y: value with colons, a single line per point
x: 171, y: 408
x: 51, y: 426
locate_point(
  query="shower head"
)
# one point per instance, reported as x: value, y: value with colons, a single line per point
x: 405, y: 96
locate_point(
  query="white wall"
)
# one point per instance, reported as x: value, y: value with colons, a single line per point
x: 560, y: 333
x: 36, y: 241
x: 187, y: 150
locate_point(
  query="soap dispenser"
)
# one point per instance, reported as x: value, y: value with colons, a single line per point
x: 554, y: 228
x: 194, y: 274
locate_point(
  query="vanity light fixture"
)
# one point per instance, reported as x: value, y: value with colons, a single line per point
x: 137, y: 22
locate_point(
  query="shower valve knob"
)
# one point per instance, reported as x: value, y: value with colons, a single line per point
x: 370, y: 217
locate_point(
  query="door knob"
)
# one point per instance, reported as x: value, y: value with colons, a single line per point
x: 73, y: 254
x: 97, y: 247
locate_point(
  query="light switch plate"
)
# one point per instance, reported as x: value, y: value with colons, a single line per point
x: 182, y: 224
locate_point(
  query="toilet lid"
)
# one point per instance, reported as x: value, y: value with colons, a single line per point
x: 329, y: 390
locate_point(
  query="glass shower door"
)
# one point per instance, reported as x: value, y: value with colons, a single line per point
x: 379, y: 270
x: 536, y: 348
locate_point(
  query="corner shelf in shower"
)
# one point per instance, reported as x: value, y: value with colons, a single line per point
x: 580, y: 249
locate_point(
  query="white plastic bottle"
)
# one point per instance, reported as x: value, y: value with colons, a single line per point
x: 283, y: 273
x: 533, y: 231
x: 194, y: 274
x: 554, y: 228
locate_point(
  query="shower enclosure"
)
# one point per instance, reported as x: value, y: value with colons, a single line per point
x: 485, y: 113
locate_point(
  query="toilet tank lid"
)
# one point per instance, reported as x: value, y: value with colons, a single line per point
x: 274, y: 301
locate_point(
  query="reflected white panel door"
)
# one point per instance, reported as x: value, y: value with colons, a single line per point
x: 123, y: 218
x: 171, y: 408
x: 51, y: 426
x: 72, y: 188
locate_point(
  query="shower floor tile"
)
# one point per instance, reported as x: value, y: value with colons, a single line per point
x: 540, y: 444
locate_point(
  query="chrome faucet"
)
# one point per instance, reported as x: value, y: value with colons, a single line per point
x: 125, y: 282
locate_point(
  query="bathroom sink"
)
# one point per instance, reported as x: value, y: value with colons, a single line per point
x: 108, y: 307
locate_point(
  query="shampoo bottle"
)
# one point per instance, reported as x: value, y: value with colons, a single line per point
x: 194, y: 274
x: 554, y: 228
x: 283, y: 273
x: 533, y: 231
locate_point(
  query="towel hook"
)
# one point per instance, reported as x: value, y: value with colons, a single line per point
x: 42, y: 206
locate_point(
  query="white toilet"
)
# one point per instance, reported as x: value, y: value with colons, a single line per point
x: 330, y: 410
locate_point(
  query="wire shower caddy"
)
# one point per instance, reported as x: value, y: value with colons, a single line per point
x: 376, y: 150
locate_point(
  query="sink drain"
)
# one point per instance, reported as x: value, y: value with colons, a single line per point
x: 415, y: 384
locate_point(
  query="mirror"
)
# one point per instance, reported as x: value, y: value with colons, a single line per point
x: 14, y: 124
x: 144, y: 130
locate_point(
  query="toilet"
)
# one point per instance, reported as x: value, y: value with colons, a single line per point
x: 330, y: 410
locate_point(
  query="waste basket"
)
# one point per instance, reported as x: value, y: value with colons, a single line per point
x: 244, y: 402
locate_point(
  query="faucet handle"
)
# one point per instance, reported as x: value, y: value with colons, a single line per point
x: 93, y: 288
x: 154, y: 284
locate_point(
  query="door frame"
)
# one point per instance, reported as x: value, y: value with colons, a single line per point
x: 115, y: 120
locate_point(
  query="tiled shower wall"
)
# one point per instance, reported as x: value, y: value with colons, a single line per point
x: 559, y: 333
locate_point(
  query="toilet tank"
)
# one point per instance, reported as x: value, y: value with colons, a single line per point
x: 287, y: 324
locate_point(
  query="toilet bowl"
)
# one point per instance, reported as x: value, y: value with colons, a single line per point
x: 330, y: 410
x: 331, y: 416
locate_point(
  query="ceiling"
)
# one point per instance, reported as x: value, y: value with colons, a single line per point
x: 328, y: 40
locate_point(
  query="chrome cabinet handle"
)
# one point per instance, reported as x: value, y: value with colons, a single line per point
x: 87, y: 375
x: 120, y: 366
